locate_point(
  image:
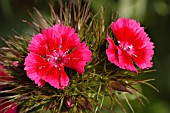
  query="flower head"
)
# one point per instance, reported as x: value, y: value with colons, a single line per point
x: 3, y: 75
x: 6, y: 106
x: 52, y: 50
x: 133, y: 45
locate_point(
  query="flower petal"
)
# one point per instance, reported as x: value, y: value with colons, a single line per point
x: 56, y: 77
x: 36, y: 67
x: 69, y: 39
x: 52, y: 77
x: 143, y: 58
x: 53, y: 38
x: 125, y: 61
x: 37, y: 45
x: 119, y: 57
x: 127, y: 30
x: 63, y: 78
x: 78, y: 58
x: 112, y: 52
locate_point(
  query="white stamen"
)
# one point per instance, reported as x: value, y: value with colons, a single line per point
x: 40, y: 67
x: 75, y: 58
x: 48, y: 59
x: 66, y: 52
x: 56, y: 58
x: 134, y: 55
x: 54, y: 51
x: 60, y: 46
x: 63, y: 55
x: 130, y: 47
x: 124, y: 48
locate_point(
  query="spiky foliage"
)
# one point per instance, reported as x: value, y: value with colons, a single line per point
x: 85, y: 93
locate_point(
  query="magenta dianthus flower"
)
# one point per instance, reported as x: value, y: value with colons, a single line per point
x: 52, y: 50
x: 133, y: 45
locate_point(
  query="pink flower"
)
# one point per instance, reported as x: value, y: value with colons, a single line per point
x: 133, y: 45
x: 5, y: 106
x: 8, y: 107
x: 52, y: 50
x: 3, y: 75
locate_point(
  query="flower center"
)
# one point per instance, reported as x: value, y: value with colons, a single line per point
x: 126, y: 47
x: 56, y: 58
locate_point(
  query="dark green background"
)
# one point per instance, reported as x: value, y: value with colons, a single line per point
x: 153, y: 14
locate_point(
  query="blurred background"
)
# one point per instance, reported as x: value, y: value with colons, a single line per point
x: 153, y: 14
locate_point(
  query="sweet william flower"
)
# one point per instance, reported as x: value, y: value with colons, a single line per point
x: 6, y: 106
x: 11, y: 107
x: 52, y: 50
x: 134, y: 45
x: 3, y: 75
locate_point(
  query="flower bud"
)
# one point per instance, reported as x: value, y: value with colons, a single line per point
x: 16, y: 63
x: 69, y: 102
x: 118, y: 86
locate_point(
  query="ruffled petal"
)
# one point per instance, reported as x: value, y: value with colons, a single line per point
x: 112, y: 52
x: 63, y: 78
x: 143, y: 52
x: 56, y: 77
x: 47, y: 42
x: 70, y: 39
x: 36, y: 78
x: 38, y: 45
x: 119, y: 57
x: 36, y: 67
x: 78, y: 58
x: 125, y: 61
x: 53, y: 38
x: 143, y: 58
x: 127, y: 30
x: 53, y: 77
